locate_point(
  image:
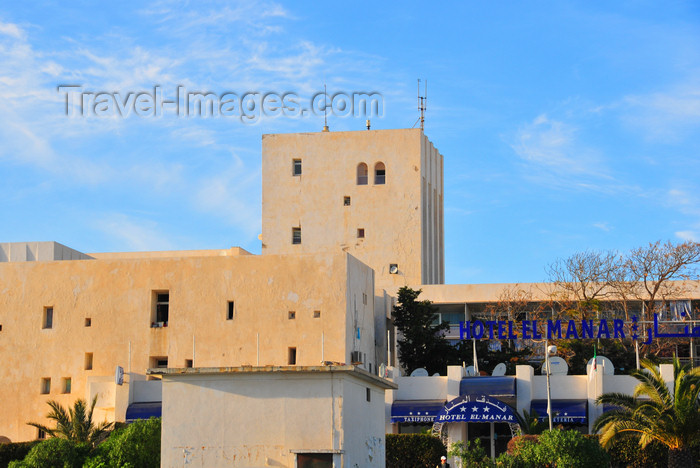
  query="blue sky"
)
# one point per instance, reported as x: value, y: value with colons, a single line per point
x: 565, y: 126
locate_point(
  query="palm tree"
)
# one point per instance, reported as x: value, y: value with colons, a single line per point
x: 530, y: 423
x: 75, y: 424
x: 656, y: 413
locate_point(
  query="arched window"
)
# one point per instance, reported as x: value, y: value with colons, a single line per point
x: 379, y: 174
x: 362, y: 174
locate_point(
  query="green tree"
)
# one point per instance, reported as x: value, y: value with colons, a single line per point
x: 530, y: 423
x: 136, y: 446
x: 422, y: 342
x: 558, y: 448
x: 654, y: 412
x: 470, y: 453
x: 75, y: 424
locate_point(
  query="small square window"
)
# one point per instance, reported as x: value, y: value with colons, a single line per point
x: 361, y: 233
x: 48, y: 318
x: 317, y: 314
x: 229, y: 313
x: 88, y: 361
x: 292, y: 315
x: 188, y: 363
x: 296, y: 167
x: 296, y: 235
x: 66, y: 385
x: 46, y: 385
x: 292, y: 356
x: 88, y: 322
x: 162, y: 363
x: 346, y: 201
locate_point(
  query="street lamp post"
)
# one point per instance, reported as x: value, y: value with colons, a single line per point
x: 549, y: 393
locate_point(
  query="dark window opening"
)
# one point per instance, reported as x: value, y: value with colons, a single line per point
x: 40, y: 434
x: 379, y: 174
x: 317, y: 314
x: 362, y: 174
x: 296, y: 235
x: 48, y: 317
x: 88, y: 322
x: 88, y: 361
x: 67, y: 384
x: 314, y: 460
x: 46, y: 385
x: 292, y: 315
x: 296, y: 167
x: 369, y: 395
x: 346, y: 201
x: 162, y: 309
x: 292, y: 356
x: 229, y: 315
x: 189, y: 363
x: 361, y: 233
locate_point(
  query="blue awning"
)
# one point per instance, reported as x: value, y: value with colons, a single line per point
x: 143, y: 410
x: 565, y: 411
x: 503, y: 386
x: 415, y: 411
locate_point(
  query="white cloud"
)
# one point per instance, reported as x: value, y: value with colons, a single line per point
x: 553, y: 154
x: 12, y: 30
x: 603, y: 226
x: 133, y: 234
x: 693, y: 236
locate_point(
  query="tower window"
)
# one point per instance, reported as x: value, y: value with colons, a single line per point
x: 362, y: 174
x: 292, y: 356
x: 296, y: 235
x: 189, y: 363
x: 346, y: 201
x: 292, y: 315
x: 48, y: 317
x: 379, y: 174
x: 46, y: 385
x: 229, y: 313
x: 162, y: 308
x: 88, y: 361
x: 317, y: 314
x: 296, y: 167
x: 88, y: 322
x: 67, y: 384
x: 361, y: 233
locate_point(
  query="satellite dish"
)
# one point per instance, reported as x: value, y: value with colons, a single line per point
x: 558, y: 365
x: 469, y: 371
x: 603, y: 364
x: 420, y: 372
x: 437, y: 374
x: 499, y: 370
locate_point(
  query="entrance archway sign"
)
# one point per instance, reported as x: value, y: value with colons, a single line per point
x: 474, y: 409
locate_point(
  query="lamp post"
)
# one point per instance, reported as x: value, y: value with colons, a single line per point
x: 547, y: 351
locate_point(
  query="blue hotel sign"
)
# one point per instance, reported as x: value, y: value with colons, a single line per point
x: 565, y: 329
x: 476, y: 408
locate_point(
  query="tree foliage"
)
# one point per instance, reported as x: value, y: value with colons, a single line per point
x: 422, y: 342
x: 471, y: 453
x: 75, y: 423
x: 655, y: 413
x: 135, y: 446
x: 55, y: 453
x: 557, y: 448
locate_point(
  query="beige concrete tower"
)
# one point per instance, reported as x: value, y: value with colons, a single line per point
x: 376, y: 194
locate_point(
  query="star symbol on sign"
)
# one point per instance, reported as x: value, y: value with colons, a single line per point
x: 486, y: 410
x: 635, y: 336
x: 474, y: 409
x: 463, y: 409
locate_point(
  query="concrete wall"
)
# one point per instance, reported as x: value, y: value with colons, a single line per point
x: 117, y: 295
x: 263, y: 418
x: 38, y: 252
x: 402, y: 224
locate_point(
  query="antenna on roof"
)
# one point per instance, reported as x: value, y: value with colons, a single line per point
x: 422, y: 103
x: 325, y: 108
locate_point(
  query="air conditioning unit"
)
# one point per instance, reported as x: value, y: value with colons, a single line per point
x: 357, y: 357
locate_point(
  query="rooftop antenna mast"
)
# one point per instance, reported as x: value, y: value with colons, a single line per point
x: 325, y: 108
x: 422, y: 102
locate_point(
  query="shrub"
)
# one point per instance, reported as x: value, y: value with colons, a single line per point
x: 135, y: 446
x: 413, y: 450
x: 54, y: 453
x: 471, y: 453
x: 14, y: 451
x: 559, y: 448
x: 626, y: 452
